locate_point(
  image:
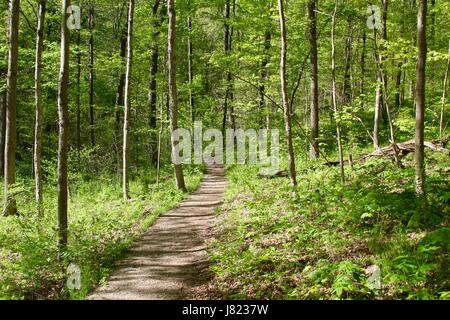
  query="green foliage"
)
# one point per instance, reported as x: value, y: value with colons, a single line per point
x: 101, y: 228
x: 316, y: 241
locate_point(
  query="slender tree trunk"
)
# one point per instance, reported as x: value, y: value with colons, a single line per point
x: 78, y: 98
x: 190, y: 65
x: 2, y: 129
x: 287, y: 113
x: 363, y: 69
x: 63, y: 115
x: 444, y: 94
x: 264, y: 78
x: 11, y: 102
x: 39, y: 105
x: 91, y: 71
x: 127, y: 102
x: 314, y: 152
x: 229, y: 96
x: 119, y: 102
x: 334, y: 94
x: 173, y: 94
x: 348, y: 60
x: 420, y: 108
x: 152, y: 90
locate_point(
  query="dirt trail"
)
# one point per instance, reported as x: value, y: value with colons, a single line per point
x: 170, y: 260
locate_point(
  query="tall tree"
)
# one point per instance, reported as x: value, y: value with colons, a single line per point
x: 78, y: 97
x: 287, y: 113
x: 227, y: 37
x: 39, y: 104
x: 190, y: 63
x: 11, y: 103
x: 152, y: 90
x: 334, y: 93
x: 91, y: 71
x: 444, y: 94
x: 173, y: 94
x: 119, y: 102
x: 420, y: 100
x: 314, y: 73
x: 2, y: 126
x: 63, y: 116
x: 127, y: 99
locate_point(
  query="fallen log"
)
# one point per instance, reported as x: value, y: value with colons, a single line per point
x: 404, y: 149
x: 279, y: 174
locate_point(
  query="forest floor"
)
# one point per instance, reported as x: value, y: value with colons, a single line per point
x: 170, y: 261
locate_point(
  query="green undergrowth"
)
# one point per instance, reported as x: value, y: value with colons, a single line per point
x: 316, y: 241
x: 101, y: 228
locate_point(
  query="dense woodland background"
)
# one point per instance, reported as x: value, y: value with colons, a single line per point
x: 350, y: 97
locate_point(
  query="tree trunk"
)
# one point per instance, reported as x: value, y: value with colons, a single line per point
x: 119, y: 102
x: 334, y: 95
x: 127, y: 102
x: 39, y: 105
x: 190, y: 65
x: 152, y: 90
x: 348, y: 60
x: 227, y: 49
x: 363, y: 70
x: 173, y: 94
x: 287, y: 113
x: 11, y: 102
x: 314, y: 152
x: 2, y: 129
x: 78, y: 98
x: 420, y: 107
x: 264, y: 78
x: 91, y: 71
x: 63, y: 115
x: 444, y: 94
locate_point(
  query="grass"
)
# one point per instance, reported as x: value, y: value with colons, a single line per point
x: 101, y: 228
x: 316, y: 241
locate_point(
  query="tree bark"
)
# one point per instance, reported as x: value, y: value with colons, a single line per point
x: 227, y: 49
x: 264, y: 78
x: 127, y: 102
x: 173, y: 94
x: 152, y: 90
x: 420, y: 90
x: 2, y: 129
x: 363, y: 69
x: 63, y: 115
x: 314, y: 152
x: 11, y: 103
x: 91, y: 71
x: 287, y: 113
x: 39, y: 105
x: 119, y: 102
x: 444, y: 94
x: 190, y: 65
x: 78, y: 98
x: 334, y: 94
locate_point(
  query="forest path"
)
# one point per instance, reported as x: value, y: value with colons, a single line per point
x: 170, y: 260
